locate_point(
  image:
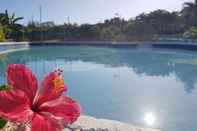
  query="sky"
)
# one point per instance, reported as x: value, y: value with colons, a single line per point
x: 85, y: 11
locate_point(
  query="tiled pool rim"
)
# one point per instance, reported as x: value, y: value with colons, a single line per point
x: 14, y: 46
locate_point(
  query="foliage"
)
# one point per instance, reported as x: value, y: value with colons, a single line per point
x: 189, y: 13
x: 2, y: 123
x: 11, y: 27
x: 4, y: 87
x: 2, y: 34
x: 145, y: 26
x: 191, y: 33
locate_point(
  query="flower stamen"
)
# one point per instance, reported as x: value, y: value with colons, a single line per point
x: 59, y: 83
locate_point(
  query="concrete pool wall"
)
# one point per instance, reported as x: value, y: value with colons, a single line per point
x: 8, y: 46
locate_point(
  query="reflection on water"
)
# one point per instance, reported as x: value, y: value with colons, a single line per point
x: 143, y: 87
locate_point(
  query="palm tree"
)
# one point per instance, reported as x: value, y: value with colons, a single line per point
x: 9, y: 20
x: 13, y: 20
x: 189, y: 13
x: 9, y: 23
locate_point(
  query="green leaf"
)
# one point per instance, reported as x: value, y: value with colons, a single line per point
x: 4, y: 87
x: 2, y: 123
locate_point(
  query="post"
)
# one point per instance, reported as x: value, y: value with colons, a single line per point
x: 41, y: 32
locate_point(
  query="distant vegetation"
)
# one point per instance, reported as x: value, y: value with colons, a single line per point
x: 156, y: 25
x: 9, y: 28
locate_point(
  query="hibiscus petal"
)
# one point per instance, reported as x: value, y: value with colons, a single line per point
x: 64, y: 107
x: 15, y: 106
x: 21, y: 77
x: 45, y: 123
x: 52, y: 88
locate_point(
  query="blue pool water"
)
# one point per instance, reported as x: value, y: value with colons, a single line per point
x: 148, y: 87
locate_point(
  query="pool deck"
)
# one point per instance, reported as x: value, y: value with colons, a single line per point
x: 87, y: 123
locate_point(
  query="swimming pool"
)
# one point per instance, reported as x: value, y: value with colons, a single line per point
x: 149, y: 87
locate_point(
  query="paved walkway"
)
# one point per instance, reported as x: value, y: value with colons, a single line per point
x: 86, y: 123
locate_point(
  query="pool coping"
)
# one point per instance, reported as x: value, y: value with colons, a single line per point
x: 192, y: 46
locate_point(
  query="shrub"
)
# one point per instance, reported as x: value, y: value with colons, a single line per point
x: 2, y: 34
x: 191, y: 33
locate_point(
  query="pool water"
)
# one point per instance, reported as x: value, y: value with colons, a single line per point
x: 147, y: 87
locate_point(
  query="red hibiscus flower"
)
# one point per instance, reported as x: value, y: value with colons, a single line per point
x: 45, y: 109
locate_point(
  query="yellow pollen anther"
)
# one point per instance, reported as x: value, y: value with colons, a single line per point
x: 58, y: 83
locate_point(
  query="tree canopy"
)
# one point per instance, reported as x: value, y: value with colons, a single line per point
x: 145, y: 26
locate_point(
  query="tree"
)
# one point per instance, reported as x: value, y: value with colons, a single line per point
x: 189, y: 13
x: 191, y: 33
x: 9, y: 22
x: 2, y: 34
x: 162, y: 21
